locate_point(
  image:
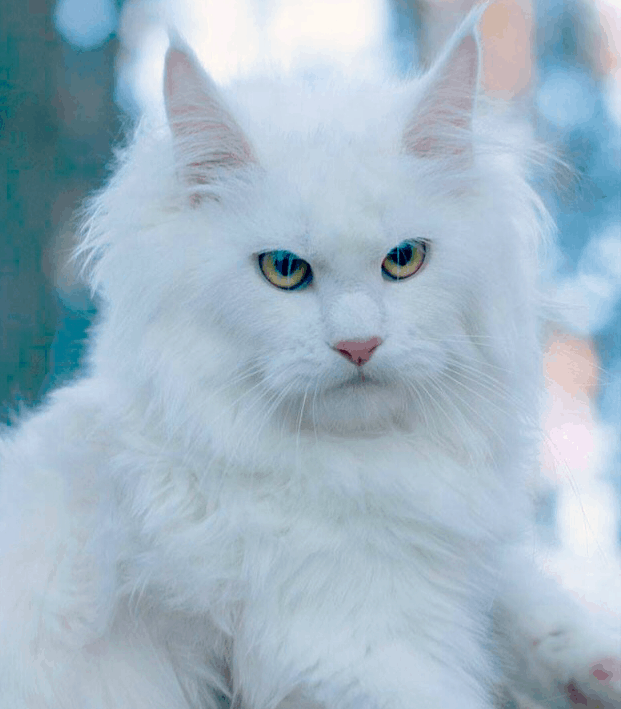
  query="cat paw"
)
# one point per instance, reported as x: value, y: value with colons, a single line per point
x: 599, y: 687
x: 586, y: 665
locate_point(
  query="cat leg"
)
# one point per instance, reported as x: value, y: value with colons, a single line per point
x: 126, y: 669
x: 558, y: 653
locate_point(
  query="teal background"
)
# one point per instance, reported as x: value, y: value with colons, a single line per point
x: 52, y: 153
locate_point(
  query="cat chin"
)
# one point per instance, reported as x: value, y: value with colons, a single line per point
x: 356, y: 407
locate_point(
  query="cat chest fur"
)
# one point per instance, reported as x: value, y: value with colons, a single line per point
x: 318, y: 513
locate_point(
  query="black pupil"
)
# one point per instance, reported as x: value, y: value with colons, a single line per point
x: 402, y: 255
x: 286, y: 264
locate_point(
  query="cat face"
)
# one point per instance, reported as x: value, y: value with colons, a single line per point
x: 326, y: 260
x: 318, y: 300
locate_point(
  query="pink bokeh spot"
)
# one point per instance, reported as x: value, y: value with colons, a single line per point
x: 600, y: 674
x: 607, y: 670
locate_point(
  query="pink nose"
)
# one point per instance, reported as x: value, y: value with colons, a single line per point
x: 358, y: 352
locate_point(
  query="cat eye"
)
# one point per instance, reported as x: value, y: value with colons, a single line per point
x: 285, y: 270
x: 404, y: 260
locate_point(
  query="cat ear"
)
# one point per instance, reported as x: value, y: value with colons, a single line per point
x: 440, y: 125
x: 207, y: 139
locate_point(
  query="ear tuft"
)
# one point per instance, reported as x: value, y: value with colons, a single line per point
x: 207, y: 138
x: 440, y: 126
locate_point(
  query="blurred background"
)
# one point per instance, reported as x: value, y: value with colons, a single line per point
x: 75, y: 74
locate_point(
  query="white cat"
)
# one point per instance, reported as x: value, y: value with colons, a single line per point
x: 293, y: 474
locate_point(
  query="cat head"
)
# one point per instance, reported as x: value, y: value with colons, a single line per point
x: 332, y: 258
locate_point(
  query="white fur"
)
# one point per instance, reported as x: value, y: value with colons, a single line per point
x: 218, y: 506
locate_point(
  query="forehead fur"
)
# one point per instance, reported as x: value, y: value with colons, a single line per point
x: 325, y: 112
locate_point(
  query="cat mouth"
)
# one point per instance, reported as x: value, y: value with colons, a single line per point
x: 359, y: 380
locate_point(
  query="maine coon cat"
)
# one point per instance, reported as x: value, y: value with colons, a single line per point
x: 292, y: 475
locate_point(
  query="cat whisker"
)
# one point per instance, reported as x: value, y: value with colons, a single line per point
x: 475, y: 366
x: 463, y: 354
x: 451, y: 375
x: 434, y: 402
x: 449, y: 398
x: 185, y: 425
x: 258, y: 394
x: 487, y: 383
x: 477, y: 340
x: 314, y: 411
x: 421, y: 407
x: 299, y: 425
x: 270, y: 402
x: 261, y: 384
x: 266, y: 412
x: 563, y: 465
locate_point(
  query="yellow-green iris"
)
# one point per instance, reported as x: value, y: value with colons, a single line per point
x: 404, y: 260
x: 285, y: 270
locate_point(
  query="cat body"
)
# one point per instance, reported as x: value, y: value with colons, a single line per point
x: 294, y: 495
